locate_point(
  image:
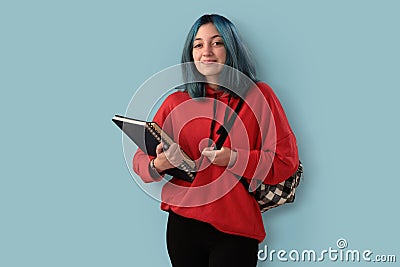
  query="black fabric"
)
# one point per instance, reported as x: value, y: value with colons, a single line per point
x: 224, y: 129
x: 198, y: 244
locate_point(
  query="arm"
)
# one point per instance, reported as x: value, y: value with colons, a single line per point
x: 255, y: 163
x: 151, y: 168
x: 272, y: 156
x: 276, y: 156
x: 141, y: 166
x: 271, y: 167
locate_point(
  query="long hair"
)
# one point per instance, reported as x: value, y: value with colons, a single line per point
x: 237, y: 58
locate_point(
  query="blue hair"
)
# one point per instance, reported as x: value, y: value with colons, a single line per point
x: 237, y: 57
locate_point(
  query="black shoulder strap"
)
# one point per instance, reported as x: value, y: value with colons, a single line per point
x: 223, y: 134
x: 224, y: 129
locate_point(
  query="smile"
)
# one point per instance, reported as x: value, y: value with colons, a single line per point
x: 208, y: 61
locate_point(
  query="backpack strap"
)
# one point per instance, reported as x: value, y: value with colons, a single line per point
x: 223, y: 134
x: 224, y: 129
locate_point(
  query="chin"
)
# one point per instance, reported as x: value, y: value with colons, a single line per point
x: 210, y: 70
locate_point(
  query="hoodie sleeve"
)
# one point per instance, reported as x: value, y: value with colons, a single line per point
x: 275, y: 158
x: 141, y: 161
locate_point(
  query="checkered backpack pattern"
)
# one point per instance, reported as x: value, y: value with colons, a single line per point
x: 271, y: 196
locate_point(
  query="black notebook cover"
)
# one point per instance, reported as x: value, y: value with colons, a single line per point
x: 147, y: 135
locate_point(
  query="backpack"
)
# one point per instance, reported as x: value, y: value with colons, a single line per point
x: 271, y: 196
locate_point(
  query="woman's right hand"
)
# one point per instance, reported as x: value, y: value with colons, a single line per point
x: 168, y: 159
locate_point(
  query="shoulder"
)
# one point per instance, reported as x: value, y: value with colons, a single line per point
x: 168, y: 104
x: 265, y: 88
x: 263, y: 96
x: 176, y: 98
x: 259, y: 91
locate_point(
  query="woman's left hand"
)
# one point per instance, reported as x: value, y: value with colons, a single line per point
x: 223, y: 157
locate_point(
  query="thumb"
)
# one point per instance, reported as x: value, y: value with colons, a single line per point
x: 159, y: 149
x: 209, y: 152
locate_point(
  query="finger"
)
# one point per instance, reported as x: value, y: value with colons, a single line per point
x: 159, y: 148
x: 210, y: 154
x: 173, y: 147
x: 210, y: 148
x: 165, y: 146
x: 172, y: 150
x: 174, y: 154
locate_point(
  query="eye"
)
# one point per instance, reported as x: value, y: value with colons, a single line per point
x: 198, y: 45
x: 218, y: 43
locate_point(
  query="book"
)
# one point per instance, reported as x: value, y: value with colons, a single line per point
x: 147, y: 135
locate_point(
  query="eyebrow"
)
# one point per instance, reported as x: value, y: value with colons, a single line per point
x: 215, y: 36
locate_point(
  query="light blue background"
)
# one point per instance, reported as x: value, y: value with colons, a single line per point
x: 66, y: 67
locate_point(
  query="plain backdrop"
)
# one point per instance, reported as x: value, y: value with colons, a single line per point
x: 67, y: 197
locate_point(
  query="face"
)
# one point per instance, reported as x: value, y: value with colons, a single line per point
x: 209, y: 52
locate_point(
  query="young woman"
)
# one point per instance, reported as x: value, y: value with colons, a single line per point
x: 215, y: 221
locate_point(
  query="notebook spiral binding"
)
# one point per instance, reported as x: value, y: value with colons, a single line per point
x: 183, y: 165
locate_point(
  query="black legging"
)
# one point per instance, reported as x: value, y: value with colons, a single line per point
x: 192, y: 243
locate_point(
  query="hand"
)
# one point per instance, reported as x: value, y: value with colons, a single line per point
x: 223, y: 157
x: 168, y: 159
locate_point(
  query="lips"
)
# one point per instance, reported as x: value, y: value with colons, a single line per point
x: 208, y: 61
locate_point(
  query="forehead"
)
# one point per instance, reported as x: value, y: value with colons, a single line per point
x: 207, y: 31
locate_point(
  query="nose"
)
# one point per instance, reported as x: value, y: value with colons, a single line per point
x: 207, y: 51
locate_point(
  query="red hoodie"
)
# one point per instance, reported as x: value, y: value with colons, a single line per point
x: 266, y: 150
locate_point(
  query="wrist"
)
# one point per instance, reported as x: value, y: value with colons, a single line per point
x: 154, y: 164
x: 153, y: 170
x: 232, y: 158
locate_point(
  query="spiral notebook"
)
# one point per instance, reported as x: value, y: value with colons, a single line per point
x: 147, y: 135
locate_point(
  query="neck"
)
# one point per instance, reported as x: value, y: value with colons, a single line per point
x: 212, y: 82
